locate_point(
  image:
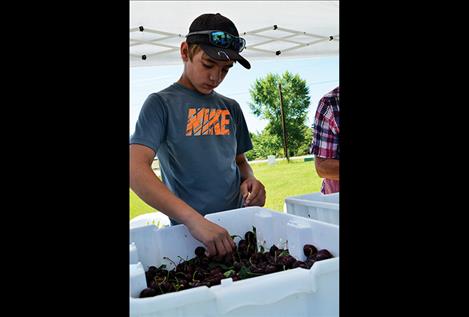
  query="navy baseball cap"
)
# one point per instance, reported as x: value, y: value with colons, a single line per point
x: 218, y: 37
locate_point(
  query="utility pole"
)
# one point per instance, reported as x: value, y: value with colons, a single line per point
x: 284, y: 128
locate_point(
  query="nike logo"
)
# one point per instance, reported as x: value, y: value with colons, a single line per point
x: 206, y: 121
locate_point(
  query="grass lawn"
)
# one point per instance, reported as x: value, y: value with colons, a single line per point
x: 138, y: 206
x: 286, y: 179
x: 280, y: 180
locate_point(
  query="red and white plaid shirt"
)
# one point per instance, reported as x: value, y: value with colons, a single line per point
x: 325, y: 142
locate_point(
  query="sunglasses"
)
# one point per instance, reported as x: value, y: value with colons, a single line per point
x: 223, y: 39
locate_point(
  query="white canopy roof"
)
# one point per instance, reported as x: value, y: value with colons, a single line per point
x: 272, y: 29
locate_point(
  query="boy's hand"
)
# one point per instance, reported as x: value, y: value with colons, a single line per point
x: 215, y: 238
x: 253, y: 192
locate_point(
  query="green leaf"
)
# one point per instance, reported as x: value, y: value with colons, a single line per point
x: 229, y: 273
x: 212, y: 265
x: 224, y: 267
x: 244, y: 272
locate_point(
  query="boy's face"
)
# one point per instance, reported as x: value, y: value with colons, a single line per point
x: 205, y: 73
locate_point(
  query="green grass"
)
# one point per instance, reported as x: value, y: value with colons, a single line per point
x: 281, y: 180
x: 284, y: 179
x: 138, y: 206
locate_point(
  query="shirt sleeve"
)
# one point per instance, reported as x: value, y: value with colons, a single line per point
x: 150, y: 129
x: 325, y: 131
x: 243, y: 139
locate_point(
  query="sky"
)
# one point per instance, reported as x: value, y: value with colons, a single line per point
x: 320, y: 73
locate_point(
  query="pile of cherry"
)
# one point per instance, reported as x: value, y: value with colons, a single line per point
x: 244, y: 262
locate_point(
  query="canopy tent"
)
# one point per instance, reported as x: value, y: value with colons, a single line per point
x: 272, y: 29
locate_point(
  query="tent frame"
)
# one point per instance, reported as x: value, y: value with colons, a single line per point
x: 254, y: 47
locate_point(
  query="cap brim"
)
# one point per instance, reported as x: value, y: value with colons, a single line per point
x: 223, y: 54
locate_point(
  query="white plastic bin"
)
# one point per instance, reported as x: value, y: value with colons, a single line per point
x: 295, y: 292
x: 133, y: 255
x: 153, y: 218
x: 137, y: 279
x: 315, y: 206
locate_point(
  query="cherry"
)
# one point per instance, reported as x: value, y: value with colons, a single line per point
x: 148, y: 292
x: 272, y: 250
x: 309, y: 263
x: 309, y: 250
x: 270, y: 269
x: 242, y: 244
x: 244, y: 262
x: 250, y: 237
x: 237, y: 266
x: 200, y: 251
x: 299, y: 264
x: 323, y: 254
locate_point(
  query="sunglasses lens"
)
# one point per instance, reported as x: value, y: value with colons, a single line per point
x: 220, y: 39
x: 226, y: 40
x: 239, y: 44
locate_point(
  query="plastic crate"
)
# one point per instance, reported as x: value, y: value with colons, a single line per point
x: 153, y: 218
x: 316, y: 206
x: 295, y: 292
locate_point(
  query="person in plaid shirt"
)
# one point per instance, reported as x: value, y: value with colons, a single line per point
x: 325, y: 144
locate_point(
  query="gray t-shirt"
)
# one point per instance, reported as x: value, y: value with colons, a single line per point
x: 196, y: 138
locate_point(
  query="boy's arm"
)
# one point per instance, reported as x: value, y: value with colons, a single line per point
x: 252, y: 190
x: 151, y: 190
x: 327, y: 167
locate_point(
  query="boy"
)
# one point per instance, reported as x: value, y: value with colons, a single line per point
x: 200, y: 137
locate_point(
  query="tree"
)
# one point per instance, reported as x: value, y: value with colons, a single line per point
x: 303, y: 149
x: 264, y: 144
x: 266, y: 105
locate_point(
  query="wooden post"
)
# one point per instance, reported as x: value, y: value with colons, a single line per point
x: 284, y: 128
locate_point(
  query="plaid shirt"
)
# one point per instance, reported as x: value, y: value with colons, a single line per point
x: 325, y: 142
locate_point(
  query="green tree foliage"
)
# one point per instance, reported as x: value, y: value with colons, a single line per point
x: 266, y: 105
x: 264, y: 144
x: 303, y: 149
